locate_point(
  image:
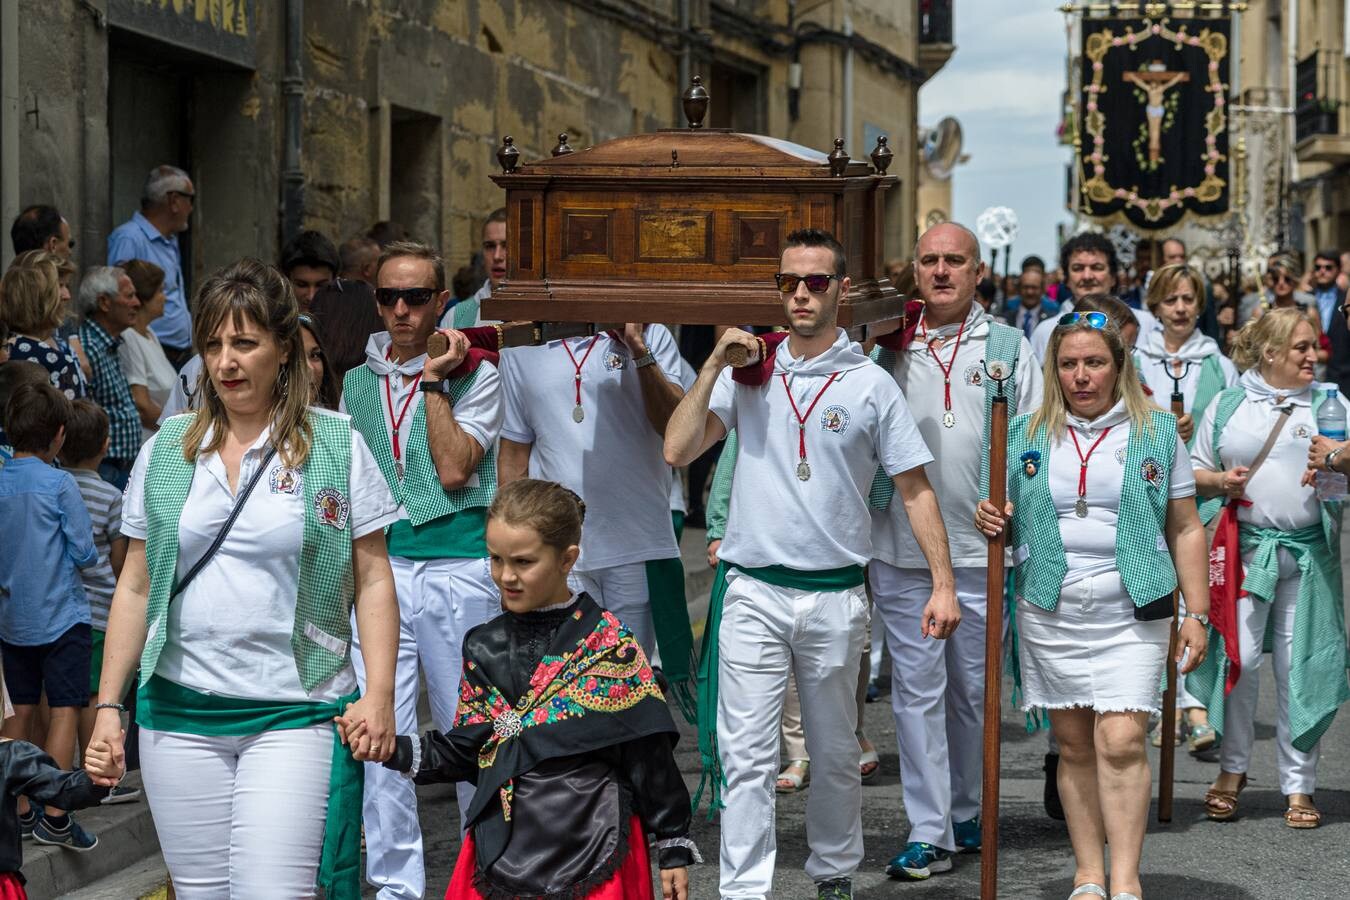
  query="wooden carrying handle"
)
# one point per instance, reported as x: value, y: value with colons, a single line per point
x: 739, y: 355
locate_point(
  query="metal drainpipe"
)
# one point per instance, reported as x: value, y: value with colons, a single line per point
x: 10, y: 120
x: 293, y: 95
x: 686, y: 62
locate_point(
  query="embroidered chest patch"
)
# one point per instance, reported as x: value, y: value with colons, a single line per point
x: 1031, y: 463
x: 285, y: 480
x: 1151, y: 471
x: 1120, y: 455
x: 332, y: 508
x: 835, y: 419
x: 614, y: 361
x: 1301, y: 432
x: 973, y: 376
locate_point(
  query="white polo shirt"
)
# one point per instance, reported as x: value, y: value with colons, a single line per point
x: 859, y: 422
x: 956, y: 474
x: 613, y: 458
x: 479, y: 412
x: 1155, y: 366
x: 1278, y: 500
x: 229, y: 633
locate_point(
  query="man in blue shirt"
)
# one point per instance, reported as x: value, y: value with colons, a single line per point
x: 152, y: 235
x: 1326, y: 266
x: 45, y: 635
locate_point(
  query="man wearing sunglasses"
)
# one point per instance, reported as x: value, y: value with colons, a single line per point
x: 798, y: 535
x: 938, y: 686
x: 434, y: 438
x: 1329, y: 295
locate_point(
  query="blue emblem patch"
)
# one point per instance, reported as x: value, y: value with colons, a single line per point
x: 1031, y: 462
x: 835, y: 419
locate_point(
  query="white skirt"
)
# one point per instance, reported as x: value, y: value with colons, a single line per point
x: 1091, y: 651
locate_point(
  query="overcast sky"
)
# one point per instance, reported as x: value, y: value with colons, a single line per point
x: 1004, y: 84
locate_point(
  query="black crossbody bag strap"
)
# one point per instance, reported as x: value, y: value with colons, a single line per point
x: 225, y: 529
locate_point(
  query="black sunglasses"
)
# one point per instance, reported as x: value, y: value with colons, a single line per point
x: 413, y: 296
x: 816, y: 284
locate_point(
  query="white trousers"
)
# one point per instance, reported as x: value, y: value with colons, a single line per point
x: 439, y: 600
x: 937, y: 695
x: 239, y: 817
x: 1298, y: 770
x: 623, y: 591
x: 818, y: 635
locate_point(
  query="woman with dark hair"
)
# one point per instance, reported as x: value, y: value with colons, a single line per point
x: 149, y: 373
x: 245, y: 654
x: 346, y: 311
x: 323, y: 383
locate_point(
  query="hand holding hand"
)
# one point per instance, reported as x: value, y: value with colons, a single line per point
x: 988, y: 521
x: 99, y: 761
x: 675, y: 884
x: 369, y: 725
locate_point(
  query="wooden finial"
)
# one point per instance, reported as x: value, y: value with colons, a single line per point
x: 882, y: 155
x: 563, y: 147
x: 838, y: 158
x: 507, y: 155
x: 695, y: 101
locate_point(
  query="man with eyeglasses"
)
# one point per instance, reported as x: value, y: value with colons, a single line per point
x: 151, y: 234
x: 938, y: 686
x: 432, y: 426
x: 798, y: 535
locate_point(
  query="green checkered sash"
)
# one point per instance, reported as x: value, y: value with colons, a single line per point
x: 420, y: 491
x: 1146, y: 567
x: 321, y: 636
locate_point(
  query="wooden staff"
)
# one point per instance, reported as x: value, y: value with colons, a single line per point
x: 993, y: 642
x: 1168, y: 758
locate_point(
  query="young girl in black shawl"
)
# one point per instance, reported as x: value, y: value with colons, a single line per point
x: 563, y: 728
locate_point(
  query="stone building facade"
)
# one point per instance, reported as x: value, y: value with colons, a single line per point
x: 332, y: 114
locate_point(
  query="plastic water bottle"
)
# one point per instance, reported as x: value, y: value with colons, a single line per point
x: 1331, y: 425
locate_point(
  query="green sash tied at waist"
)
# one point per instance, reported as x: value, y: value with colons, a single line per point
x: 1317, y: 660
x: 841, y: 579
x: 163, y: 705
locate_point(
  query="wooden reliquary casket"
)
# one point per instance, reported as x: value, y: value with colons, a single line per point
x: 684, y: 226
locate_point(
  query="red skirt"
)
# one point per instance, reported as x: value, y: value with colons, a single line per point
x: 11, y: 888
x: 633, y: 881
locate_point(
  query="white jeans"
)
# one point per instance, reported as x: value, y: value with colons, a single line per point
x: 1298, y: 770
x: 623, y: 591
x: 937, y: 695
x: 439, y: 600
x: 766, y: 631
x: 239, y: 817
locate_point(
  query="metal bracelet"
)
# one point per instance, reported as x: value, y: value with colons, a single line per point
x: 117, y: 706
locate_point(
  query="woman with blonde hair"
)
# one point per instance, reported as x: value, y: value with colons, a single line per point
x: 1104, y: 528
x: 244, y: 654
x: 1285, y: 589
x: 35, y: 304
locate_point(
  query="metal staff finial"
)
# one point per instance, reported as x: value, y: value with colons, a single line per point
x: 1000, y: 372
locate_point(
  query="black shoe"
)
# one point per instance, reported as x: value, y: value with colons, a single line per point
x: 1053, y: 808
x: 835, y: 889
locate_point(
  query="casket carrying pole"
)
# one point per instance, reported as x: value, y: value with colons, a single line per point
x: 993, y: 639
x: 1168, y: 757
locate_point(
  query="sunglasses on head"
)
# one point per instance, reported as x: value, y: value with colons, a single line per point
x: 816, y: 284
x: 413, y: 296
x: 1097, y: 320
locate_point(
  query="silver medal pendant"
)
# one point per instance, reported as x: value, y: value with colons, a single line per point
x: 948, y: 419
x: 578, y: 414
x: 1080, y: 508
x: 398, y: 468
x: 803, y: 471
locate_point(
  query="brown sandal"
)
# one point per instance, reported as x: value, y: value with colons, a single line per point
x: 1220, y: 805
x: 1302, y: 816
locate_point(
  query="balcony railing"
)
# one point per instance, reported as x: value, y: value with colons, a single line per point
x: 1317, y: 102
x: 935, y: 21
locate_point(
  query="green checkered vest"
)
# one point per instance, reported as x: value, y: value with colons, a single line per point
x: 465, y: 314
x: 1210, y: 384
x: 321, y: 636
x: 420, y: 491
x: 1005, y: 346
x: 1141, y: 554
x: 1227, y: 403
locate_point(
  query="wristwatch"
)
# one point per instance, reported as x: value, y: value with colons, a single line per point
x: 1330, y: 460
x: 1199, y: 617
x: 645, y: 359
x: 435, y: 387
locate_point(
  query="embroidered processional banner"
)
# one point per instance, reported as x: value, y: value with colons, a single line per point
x: 1154, y: 125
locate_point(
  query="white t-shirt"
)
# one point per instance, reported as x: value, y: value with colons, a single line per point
x: 1040, y: 338
x: 613, y: 458
x: 956, y: 475
x: 1278, y: 500
x: 678, y: 503
x: 859, y: 422
x: 144, y: 363
x: 1090, y: 543
x: 229, y: 633
x: 479, y: 412
x: 178, y: 401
